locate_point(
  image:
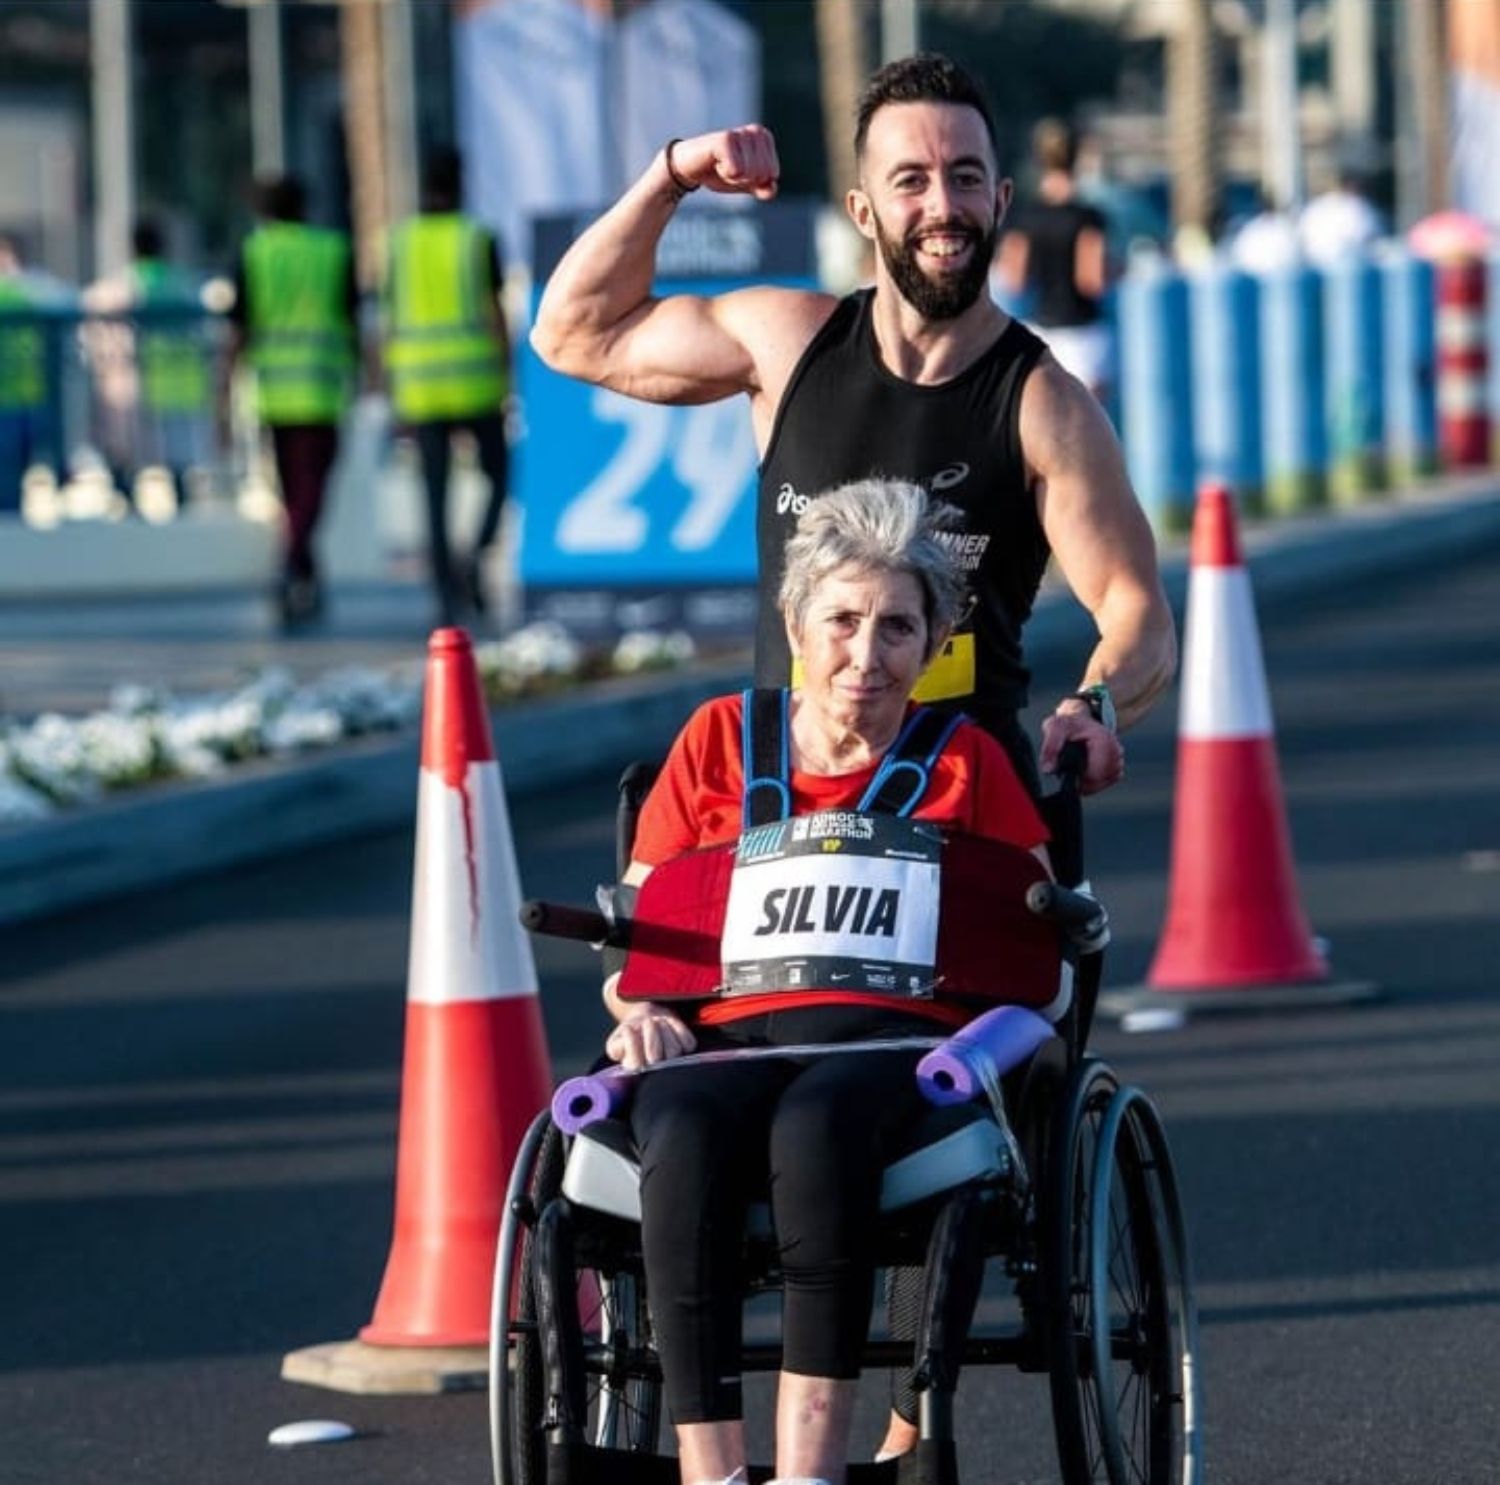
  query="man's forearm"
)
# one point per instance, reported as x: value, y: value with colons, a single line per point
x: 1136, y: 658
x: 605, y: 276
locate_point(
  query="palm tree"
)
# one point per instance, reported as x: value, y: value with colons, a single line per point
x: 842, y: 65
x: 1192, y: 125
x: 362, y: 67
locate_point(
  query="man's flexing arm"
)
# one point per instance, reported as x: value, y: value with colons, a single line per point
x: 599, y: 322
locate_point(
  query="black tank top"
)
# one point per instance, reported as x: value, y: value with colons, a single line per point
x: 1053, y: 229
x: 844, y: 417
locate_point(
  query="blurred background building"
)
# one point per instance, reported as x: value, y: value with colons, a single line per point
x: 1197, y: 116
x: 112, y: 108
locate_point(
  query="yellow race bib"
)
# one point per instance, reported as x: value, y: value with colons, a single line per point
x: 950, y: 672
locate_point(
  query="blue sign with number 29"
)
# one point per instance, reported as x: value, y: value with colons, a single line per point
x: 621, y: 492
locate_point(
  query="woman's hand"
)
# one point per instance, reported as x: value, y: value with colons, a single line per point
x: 650, y: 1033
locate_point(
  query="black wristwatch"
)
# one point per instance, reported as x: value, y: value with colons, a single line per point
x: 1100, y: 703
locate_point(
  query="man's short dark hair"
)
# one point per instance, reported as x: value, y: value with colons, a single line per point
x: 1054, y: 145
x: 147, y: 239
x: 442, y: 178
x: 281, y: 198
x: 928, y: 77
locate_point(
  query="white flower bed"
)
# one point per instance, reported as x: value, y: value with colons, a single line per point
x: 56, y: 762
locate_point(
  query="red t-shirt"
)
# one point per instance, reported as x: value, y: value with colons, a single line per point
x: 698, y: 800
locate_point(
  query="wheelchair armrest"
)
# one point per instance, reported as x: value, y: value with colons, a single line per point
x: 560, y: 920
x: 1080, y: 915
x: 635, y: 784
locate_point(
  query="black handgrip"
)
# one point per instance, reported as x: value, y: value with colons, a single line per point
x: 1079, y: 915
x: 1072, y: 762
x: 558, y: 920
x: 1064, y: 814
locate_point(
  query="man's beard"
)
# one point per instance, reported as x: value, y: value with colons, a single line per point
x: 948, y: 297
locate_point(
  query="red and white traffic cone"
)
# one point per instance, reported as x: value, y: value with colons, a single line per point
x: 1457, y: 245
x: 1235, y: 934
x: 1462, y: 364
x: 476, y: 1068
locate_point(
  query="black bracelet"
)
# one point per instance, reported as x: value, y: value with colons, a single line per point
x: 680, y: 186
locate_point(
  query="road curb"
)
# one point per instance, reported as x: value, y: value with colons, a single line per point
x: 174, y: 831
x: 171, y: 831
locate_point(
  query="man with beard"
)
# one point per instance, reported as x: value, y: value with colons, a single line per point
x: 921, y: 377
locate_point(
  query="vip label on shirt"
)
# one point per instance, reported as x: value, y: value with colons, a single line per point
x: 836, y: 900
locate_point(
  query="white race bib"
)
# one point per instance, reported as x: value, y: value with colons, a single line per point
x: 834, y: 901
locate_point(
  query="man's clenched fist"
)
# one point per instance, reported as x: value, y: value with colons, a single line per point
x: 733, y: 161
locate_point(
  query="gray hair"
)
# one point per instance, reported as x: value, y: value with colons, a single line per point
x: 876, y: 525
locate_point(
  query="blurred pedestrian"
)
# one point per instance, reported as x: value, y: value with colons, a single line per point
x: 1267, y: 241
x: 448, y: 358
x: 23, y: 377
x: 1339, y: 223
x: 1054, y: 255
x: 151, y: 360
x: 295, y: 311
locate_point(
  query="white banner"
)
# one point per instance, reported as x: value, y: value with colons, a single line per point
x: 1474, y: 71
x: 1476, y: 147
x: 558, y: 110
x: 529, y: 76
x: 686, y: 67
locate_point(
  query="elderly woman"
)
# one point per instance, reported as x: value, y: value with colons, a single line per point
x: 869, y: 595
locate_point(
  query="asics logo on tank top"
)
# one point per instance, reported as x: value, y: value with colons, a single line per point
x: 789, y: 501
x: 947, y: 478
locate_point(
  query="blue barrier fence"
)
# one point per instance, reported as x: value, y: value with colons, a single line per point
x: 1294, y: 388
x: 127, y: 390
x: 1156, y: 386
x: 1224, y: 306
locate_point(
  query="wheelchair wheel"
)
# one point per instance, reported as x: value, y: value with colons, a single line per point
x: 1121, y: 1326
x: 1138, y: 1277
x: 516, y: 1444
x: 622, y: 1380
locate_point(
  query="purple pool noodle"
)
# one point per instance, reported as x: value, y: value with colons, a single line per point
x: 580, y: 1102
x: 994, y: 1042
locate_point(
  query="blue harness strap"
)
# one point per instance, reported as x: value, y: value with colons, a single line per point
x: 766, y: 754
x: 906, y: 771
x: 899, y: 783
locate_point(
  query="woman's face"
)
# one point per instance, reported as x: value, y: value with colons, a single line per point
x: 863, y: 644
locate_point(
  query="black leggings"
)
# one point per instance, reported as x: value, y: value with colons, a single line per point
x: 815, y: 1133
x: 434, y: 447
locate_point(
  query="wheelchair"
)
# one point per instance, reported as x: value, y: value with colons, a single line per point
x: 1066, y: 1187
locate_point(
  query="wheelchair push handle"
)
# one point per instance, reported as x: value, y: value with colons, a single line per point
x: 1072, y: 764
x: 559, y: 920
x: 1079, y: 915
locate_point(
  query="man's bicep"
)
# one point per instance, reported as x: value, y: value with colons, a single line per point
x: 678, y: 350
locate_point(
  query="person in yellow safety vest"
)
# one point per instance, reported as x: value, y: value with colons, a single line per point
x: 23, y: 378
x: 147, y: 344
x: 448, y: 361
x: 295, y: 311
x: 172, y: 355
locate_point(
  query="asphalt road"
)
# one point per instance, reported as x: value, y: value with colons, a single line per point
x: 198, y: 1093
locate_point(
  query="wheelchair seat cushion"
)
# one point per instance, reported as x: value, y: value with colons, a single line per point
x: 946, y: 1148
